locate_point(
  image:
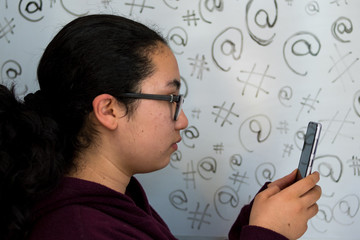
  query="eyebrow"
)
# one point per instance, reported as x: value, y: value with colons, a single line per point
x: 175, y: 83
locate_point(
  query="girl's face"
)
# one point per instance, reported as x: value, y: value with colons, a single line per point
x: 147, y: 139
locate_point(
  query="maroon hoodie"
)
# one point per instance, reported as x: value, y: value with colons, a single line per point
x: 80, y: 209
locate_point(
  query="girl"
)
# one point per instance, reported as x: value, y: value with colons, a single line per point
x: 108, y: 108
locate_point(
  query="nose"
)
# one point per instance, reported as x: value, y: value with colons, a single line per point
x: 182, y: 121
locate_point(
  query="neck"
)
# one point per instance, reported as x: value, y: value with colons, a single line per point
x: 100, y: 170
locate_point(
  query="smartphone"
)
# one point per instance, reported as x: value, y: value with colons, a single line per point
x: 308, y: 151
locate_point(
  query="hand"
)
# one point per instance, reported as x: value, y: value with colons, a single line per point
x: 285, y: 207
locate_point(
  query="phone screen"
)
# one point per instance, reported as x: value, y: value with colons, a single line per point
x: 309, y: 148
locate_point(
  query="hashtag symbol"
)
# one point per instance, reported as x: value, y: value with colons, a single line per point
x: 196, y: 113
x: 341, y: 123
x: 283, y: 127
x: 190, y: 17
x: 199, y: 216
x: 346, y: 67
x: 258, y: 87
x: 106, y: 3
x: 309, y: 102
x: 141, y: 6
x: 355, y: 165
x: 218, y: 148
x: 238, y: 178
x: 190, y: 174
x: 337, y: 2
x: 289, y: 2
x: 200, y: 65
x: 8, y: 28
x: 288, y: 149
x: 228, y: 113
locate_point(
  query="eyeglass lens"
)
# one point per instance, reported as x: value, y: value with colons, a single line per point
x: 178, y: 108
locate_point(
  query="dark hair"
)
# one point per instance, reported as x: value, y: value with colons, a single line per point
x: 40, y: 136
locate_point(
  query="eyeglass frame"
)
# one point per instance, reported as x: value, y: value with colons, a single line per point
x: 178, y: 99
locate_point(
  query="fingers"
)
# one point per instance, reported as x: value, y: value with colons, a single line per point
x: 285, y: 181
x: 270, y: 191
x: 304, y: 185
x: 311, y: 196
x: 312, y: 210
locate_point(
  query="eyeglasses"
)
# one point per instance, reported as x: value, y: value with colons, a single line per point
x: 178, y: 99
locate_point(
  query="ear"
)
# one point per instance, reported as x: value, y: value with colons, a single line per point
x: 107, y: 110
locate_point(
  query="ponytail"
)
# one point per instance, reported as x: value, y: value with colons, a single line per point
x: 30, y: 153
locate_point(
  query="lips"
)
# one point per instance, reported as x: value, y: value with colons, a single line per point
x: 175, y: 146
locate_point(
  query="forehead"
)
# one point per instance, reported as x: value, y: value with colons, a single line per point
x: 166, y: 72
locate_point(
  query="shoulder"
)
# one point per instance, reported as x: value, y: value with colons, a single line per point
x: 70, y: 222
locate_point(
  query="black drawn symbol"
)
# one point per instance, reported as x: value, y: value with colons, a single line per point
x: 300, y: 45
x: 343, y: 212
x: 106, y: 3
x: 341, y: 26
x: 289, y: 2
x: 6, y: 29
x: 223, y: 111
x: 265, y: 172
x: 257, y: 19
x: 52, y: 2
x: 31, y: 10
x: 190, y: 175
x: 190, y: 17
x: 189, y: 134
x: 355, y: 164
x: 210, y: 6
x: 356, y: 103
x: 322, y: 219
x: 10, y: 73
x: 178, y: 39
x: 184, y: 87
x: 329, y: 166
x: 257, y: 86
x: 141, y: 6
x: 285, y: 94
x: 235, y: 162
x: 300, y: 137
x: 207, y: 168
x: 178, y: 199
x: 346, y: 209
x: 199, y: 65
x: 237, y: 178
x: 218, y: 148
x: 225, y: 197
x: 227, y: 45
x: 175, y: 158
x: 309, y: 103
x: 6, y: 4
x: 169, y: 5
x: 72, y: 12
x: 199, y: 217
x: 340, y: 122
x: 258, y: 126
x: 195, y: 113
x: 341, y: 66
x: 312, y: 8
x: 284, y: 127
x: 338, y: 2
x: 287, y: 150
x: 10, y: 70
